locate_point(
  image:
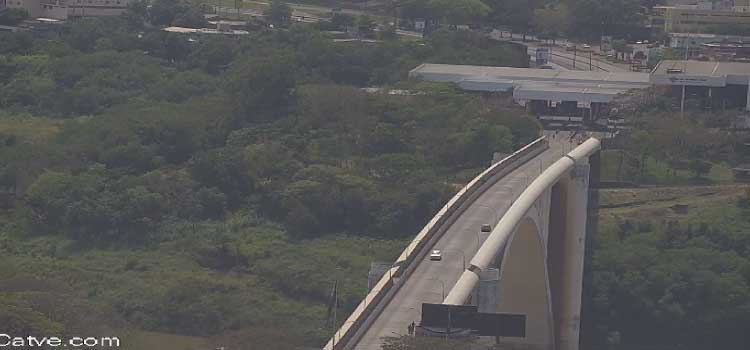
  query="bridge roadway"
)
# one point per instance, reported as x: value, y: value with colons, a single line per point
x: 424, y: 285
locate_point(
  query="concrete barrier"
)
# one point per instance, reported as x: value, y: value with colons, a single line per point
x: 380, y: 295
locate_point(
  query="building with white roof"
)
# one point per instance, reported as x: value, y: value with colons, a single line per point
x: 718, y: 83
x: 64, y: 9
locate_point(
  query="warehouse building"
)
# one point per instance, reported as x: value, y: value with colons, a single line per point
x: 716, y: 84
x: 587, y: 94
x: 541, y: 91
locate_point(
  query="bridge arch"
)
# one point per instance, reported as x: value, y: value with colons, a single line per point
x: 523, y: 284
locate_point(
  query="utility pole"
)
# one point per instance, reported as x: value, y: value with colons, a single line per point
x: 682, y: 100
x: 575, y: 49
x: 591, y: 67
x: 335, y: 309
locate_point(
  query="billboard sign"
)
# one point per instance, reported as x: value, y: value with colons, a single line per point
x: 500, y: 325
x: 689, y: 80
x: 448, y: 316
x: 542, y: 56
x: 468, y: 317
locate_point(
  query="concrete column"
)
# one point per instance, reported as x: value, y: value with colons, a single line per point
x: 747, y: 102
x: 524, y: 289
x: 571, y: 286
x: 488, y: 291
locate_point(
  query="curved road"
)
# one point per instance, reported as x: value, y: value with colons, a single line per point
x: 429, y: 279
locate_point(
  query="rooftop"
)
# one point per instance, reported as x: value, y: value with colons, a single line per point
x: 707, y: 36
x: 701, y: 72
x: 486, y: 73
x: 532, y: 83
x: 183, y: 30
x: 703, y: 68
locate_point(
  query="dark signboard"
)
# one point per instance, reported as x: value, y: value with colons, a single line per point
x: 503, y: 325
x: 468, y: 317
x: 448, y: 316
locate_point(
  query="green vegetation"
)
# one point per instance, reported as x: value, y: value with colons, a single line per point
x: 667, y: 149
x: 12, y: 16
x: 670, y: 269
x: 210, y: 192
x: 206, y: 193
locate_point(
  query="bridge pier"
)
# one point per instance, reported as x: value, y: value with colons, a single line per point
x: 573, y: 245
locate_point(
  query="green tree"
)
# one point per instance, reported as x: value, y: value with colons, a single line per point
x: 700, y: 167
x: 365, y: 26
x: 213, y: 56
x: 12, y: 16
x: 174, y: 12
x: 262, y: 86
x: 342, y: 21
x: 446, y: 11
x: 516, y: 14
x: 226, y: 170
x: 594, y: 18
x: 642, y: 146
x: 458, y: 11
x: 164, y: 12
x: 279, y: 12
x: 552, y: 21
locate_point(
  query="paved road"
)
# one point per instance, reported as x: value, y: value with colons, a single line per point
x: 425, y: 285
x: 561, y: 56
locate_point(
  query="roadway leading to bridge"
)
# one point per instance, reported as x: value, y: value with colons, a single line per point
x: 424, y: 284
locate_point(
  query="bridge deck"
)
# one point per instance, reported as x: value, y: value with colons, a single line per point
x: 460, y: 238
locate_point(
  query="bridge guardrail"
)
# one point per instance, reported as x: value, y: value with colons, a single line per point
x: 384, y: 290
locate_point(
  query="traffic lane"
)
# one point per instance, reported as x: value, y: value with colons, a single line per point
x: 461, y: 236
x: 426, y: 283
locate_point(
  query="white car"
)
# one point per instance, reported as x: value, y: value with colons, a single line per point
x: 436, y: 255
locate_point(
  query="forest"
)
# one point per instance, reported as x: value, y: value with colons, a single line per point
x: 208, y: 189
x: 205, y: 193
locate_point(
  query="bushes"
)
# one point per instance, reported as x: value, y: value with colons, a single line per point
x: 154, y: 137
x: 92, y: 209
x: 744, y: 201
x: 675, y: 284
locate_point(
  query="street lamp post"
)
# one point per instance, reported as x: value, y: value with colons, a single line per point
x: 682, y: 100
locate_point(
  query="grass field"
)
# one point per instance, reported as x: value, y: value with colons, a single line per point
x: 688, y: 204
x: 659, y: 173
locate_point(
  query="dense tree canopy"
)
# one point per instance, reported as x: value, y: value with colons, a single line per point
x: 117, y: 138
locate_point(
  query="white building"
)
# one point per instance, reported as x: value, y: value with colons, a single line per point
x: 681, y: 40
x: 63, y: 9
